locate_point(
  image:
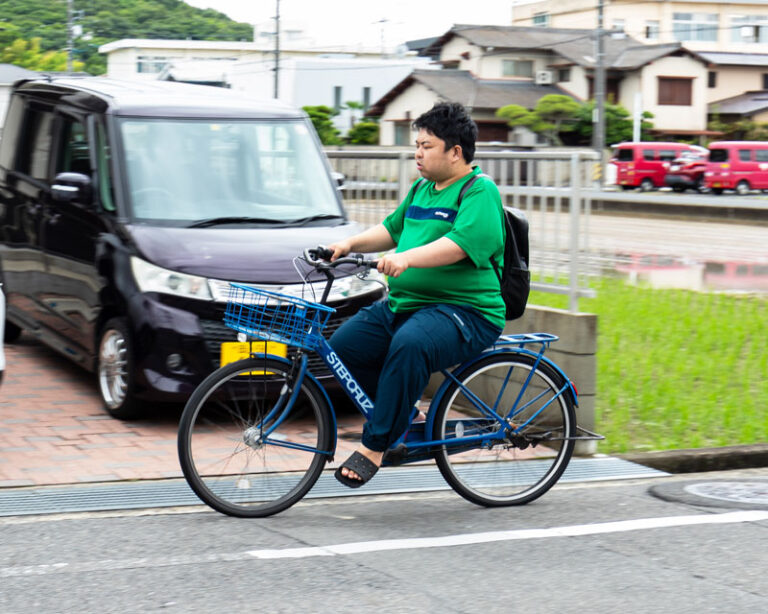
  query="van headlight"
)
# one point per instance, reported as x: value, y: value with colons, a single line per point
x: 151, y: 278
x: 347, y: 287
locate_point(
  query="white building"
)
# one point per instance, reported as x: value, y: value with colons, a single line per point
x: 305, y: 77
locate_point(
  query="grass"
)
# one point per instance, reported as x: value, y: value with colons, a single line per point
x: 677, y: 368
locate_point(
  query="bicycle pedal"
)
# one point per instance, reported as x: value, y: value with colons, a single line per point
x: 396, y: 455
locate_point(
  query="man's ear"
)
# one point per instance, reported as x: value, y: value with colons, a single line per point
x: 457, y: 152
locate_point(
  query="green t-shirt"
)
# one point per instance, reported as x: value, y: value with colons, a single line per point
x: 476, y: 227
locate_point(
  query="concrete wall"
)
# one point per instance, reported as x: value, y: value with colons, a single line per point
x: 575, y: 353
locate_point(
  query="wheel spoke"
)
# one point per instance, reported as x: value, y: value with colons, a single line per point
x: 224, y: 453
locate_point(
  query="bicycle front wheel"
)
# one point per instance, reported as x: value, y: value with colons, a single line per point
x: 533, y: 443
x: 240, y: 451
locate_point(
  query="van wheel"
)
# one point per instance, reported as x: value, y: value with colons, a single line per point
x: 114, y: 371
x: 646, y: 185
x: 742, y: 188
x: 11, y: 332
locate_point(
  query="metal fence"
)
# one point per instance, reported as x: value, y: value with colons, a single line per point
x: 552, y: 188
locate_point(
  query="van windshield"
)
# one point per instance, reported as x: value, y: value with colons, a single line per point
x: 184, y: 172
x: 718, y: 155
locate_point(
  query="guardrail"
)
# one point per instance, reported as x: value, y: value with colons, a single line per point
x: 552, y: 188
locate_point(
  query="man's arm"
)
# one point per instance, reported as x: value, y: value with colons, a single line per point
x: 437, y: 253
x: 375, y: 239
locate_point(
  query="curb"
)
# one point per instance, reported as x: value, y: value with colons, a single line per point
x: 700, y: 460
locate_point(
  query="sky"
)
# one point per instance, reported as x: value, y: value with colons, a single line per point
x: 358, y: 23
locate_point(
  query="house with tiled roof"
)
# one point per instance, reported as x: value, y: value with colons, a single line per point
x: 518, y: 65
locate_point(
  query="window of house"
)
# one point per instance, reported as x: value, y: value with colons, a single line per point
x: 403, y: 133
x: 337, y: 97
x: 695, y: 26
x: 151, y: 64
x: 652, y: 30
x: 749, y: 29
x: 541, y: 19
x: 366, y: 97
x: 675, y: 91
x: 564, y: 74
x: 745, y: 155
x: 517, y: 68
x: 765, y: 81
x: 711, y: 79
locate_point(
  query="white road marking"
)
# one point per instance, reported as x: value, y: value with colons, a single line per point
x: 496, y: 536
x: 87, y: 567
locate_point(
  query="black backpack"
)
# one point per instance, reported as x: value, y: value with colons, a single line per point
x: 514, y: 278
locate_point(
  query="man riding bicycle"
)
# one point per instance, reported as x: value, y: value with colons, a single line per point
x: 445, y: 304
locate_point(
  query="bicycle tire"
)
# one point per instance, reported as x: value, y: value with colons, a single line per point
x: 517, y: 468
x: 225, y: 458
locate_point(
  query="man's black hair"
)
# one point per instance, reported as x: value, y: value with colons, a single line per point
x: 450, y: 122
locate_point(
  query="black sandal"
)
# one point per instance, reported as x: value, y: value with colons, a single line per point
x: 361, y: 465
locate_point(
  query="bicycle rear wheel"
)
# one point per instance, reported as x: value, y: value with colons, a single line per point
x: 233, y: 452
x: 528, y: 458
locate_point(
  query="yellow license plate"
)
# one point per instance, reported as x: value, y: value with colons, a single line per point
x: 716, y: 184
x: 233, y: 351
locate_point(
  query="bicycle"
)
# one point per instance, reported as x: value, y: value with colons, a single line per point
x: 256, y: 434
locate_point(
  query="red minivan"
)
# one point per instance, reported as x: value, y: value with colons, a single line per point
x: 645, y: 164
x: 737, y: 165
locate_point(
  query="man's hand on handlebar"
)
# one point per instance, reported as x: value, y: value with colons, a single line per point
x: 339, y: 249
x: 393, y: 265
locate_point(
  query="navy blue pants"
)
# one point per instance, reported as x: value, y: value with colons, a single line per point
x: 393, y: 355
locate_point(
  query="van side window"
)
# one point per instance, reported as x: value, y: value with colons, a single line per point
x: 13, y: 122
x: 648, y: 154
x: 625, y: 155
x: 761, y: 155
x: 35, y: 144
x: 718, y: 155
x: 745, y: 155
x: 667, y: 154
x: 73, y: 155
x: 104, y: 166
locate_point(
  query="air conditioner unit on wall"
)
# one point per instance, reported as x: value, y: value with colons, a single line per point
x: 543, y: 77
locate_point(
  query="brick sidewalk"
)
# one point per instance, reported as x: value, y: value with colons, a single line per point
x: 53, y: 429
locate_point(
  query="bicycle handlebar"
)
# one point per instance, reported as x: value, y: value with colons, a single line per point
x: 319, y: 257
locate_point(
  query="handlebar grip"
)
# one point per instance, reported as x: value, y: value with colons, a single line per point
x: 323, y: 253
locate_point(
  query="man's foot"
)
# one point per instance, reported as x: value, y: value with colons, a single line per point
x: 360, y: 467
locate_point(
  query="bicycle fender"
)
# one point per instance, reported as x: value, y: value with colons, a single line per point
x: 334, y: 427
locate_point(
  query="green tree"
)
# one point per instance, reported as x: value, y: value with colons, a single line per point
x: 321, y: 115
x: 108, y: 20
x: 556, y: 113
x: 618, y: 124
x: 553, y: 114
x: 364, y: 133
x: 28, y: 54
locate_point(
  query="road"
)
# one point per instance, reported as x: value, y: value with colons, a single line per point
x: 597, y: 547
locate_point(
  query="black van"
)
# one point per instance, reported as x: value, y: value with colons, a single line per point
x: 127, y: 208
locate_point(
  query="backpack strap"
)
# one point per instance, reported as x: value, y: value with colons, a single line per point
x: 464, y: 189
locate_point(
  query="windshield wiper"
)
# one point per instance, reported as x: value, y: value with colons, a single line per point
x: 220, y: 221
x: 303, y: 221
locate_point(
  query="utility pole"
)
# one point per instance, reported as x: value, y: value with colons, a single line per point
x: 70, y: 34
x: 277, y: 49
x: 598, y: 117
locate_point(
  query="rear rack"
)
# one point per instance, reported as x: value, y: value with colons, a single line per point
x: 521, y: 339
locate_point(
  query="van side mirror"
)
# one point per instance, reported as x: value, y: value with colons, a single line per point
x: 71, y: 186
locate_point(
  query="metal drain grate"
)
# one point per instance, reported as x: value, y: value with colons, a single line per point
x: 176, y: 493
